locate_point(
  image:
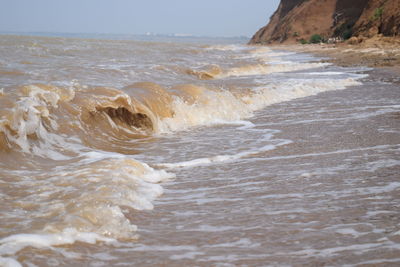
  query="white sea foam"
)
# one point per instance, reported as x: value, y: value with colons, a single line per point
x: 349, y: 231
x: 221, y: 158
x: 244, y: 124
x: 214, y: 107
x: 334, y: 250
x: 292, y: 89
x: 227, y: 47
x: 109, y: 182
x: 325, y: 73
x: 263, y: 69
x: 93, y: 156
x: 14, y: 243
x: 28, y: 117
x: 9, y: 262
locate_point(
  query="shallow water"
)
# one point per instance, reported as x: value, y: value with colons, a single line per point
x: 118, y: 152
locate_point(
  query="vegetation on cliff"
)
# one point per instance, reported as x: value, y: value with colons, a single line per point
x: 299, y: 20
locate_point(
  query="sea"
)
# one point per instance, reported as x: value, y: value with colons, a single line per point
x: 186, y: 151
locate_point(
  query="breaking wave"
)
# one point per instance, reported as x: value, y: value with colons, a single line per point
x: 43, y: 114
x: 216, y: 72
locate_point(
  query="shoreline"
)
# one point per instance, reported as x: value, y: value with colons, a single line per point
x: 379, y: 52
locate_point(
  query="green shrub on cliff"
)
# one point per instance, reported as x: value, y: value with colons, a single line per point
x: 316, y: 39
x: 377, y: 13
x: 344, y: 31
x: 303, y: 41
x: 347, y: 34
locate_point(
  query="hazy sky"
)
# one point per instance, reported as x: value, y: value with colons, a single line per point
x: 198, y: 17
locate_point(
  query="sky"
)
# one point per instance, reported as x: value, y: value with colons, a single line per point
x: 223, y: 18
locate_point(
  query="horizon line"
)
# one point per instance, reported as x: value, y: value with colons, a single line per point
x: 147, y: 34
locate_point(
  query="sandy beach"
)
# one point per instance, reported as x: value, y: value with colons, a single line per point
x: 377, y: 52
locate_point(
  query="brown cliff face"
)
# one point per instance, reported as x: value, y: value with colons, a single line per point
x: 295, y: 20
x: 379, y: 17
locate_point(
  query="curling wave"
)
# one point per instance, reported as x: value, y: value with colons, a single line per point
x: 102, y: 116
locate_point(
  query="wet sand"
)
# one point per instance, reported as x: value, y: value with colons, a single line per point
x: 377, y: 52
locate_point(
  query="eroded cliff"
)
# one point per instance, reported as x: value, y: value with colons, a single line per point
x: 297, y: 20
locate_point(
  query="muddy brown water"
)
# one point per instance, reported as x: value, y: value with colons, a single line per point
x: 274, y: 160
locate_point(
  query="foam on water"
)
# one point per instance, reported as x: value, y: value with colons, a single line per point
x: 216, y: 106
x: 15, y: 243
x: 96, y: 214
x: 221, y: 158
x: 86, y: 183
x: 28, y: 114
x: 268, y: 69
x: 9, y: 262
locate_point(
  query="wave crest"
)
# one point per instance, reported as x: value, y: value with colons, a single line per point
x: 209, y: 73
x: 29, y: 117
